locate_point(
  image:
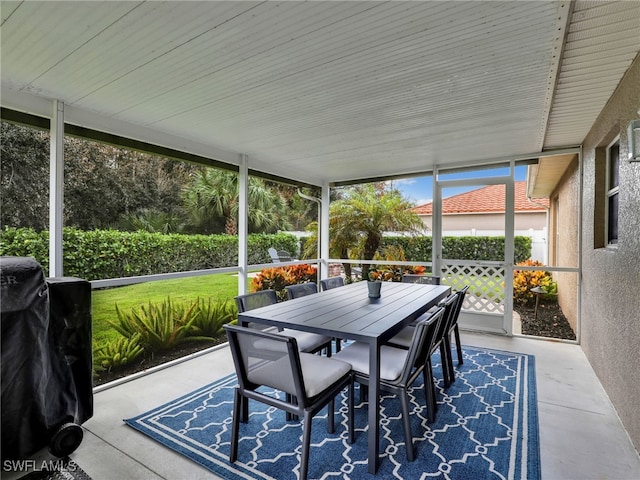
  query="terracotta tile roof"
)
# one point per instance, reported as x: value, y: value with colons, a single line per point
x: 489, y: 199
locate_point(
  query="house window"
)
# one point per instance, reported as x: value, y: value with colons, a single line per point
x: 613, y: 192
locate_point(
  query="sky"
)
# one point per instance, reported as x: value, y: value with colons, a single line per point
x: 420, y: 189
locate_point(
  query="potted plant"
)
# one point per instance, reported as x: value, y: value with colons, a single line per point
x: 374, y: 283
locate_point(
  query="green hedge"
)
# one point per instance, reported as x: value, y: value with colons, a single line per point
x: 418, y: 249
x: 100, y: 254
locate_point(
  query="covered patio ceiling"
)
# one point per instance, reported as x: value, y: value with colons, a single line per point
x: 324, y: 92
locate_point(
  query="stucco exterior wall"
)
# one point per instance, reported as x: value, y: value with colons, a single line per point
x: 610, y: 301
x: 489, y: 221
x: 564, y: 240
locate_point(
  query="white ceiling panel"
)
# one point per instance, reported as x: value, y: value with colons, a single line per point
x: 326, y: 91
x: 602, y: 40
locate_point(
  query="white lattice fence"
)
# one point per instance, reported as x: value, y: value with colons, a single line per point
x: 486, y: 285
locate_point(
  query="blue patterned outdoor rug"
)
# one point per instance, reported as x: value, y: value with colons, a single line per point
x: 486, y: 428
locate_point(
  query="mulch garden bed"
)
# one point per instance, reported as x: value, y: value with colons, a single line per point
x: 146, y: 362
x: 549, y: 322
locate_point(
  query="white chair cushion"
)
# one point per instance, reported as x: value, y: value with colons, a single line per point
x: 320, y: 372
x: 391, y: 359
x: 403, y: 338
x: 306, y: 341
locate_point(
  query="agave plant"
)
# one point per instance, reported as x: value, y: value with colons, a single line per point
x: 211, y: 316
x: 161, y: 326
x: 119, y: 353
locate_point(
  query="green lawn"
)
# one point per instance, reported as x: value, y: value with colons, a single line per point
x: 220, y: 286
x: 217, y: 287
x: 490, y: 287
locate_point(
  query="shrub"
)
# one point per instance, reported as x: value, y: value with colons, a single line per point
x: 418, y: 249
x: 303, y: 273
x: 100, y: 254
x: 393, y: 273
x: 259, y: 244
x: 26, y: 242
x: 119, y: 353
x: 160, y: 326
x: 525, y: 280
x: 279, y: 277
x: 211, y: 316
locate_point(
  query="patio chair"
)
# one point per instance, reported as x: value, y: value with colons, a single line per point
x: 307, y: 342
x: 399, y: 368
x: 404, y: 338
x: 333, y: 282
x: 301, y: 290
x: 440, y: 342
x: 258, y: 299
x: 278, y: 256
x: 328, y: 284
x: 426, y: 279
x: 310, y: 383
x: 453, y: 328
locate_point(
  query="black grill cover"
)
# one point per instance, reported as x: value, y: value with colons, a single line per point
x: 46, y: 355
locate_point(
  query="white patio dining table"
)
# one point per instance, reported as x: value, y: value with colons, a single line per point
x: 348, y: 313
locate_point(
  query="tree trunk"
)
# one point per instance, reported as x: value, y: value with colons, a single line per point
x: 347, y: 266
x: 231, y: 226
x: 371, y: 245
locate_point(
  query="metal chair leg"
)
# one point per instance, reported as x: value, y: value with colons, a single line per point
x: 456, y: 332
x: 406, y: 420
x: 430, y: 393
x: 244, y: 409
x: 235, y: 427
x: 306, y: 441
x: 330, y: 416
x: 350, y: 420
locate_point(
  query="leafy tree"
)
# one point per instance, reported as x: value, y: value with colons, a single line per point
x: 108, y: 187
x: 24, y: 177
x: 213, y: 193
x: 102, y: 182
x: 300, y: 211
x: 95, y: 195
x: 151, y: 221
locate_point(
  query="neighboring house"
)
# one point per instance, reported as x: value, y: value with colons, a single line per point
x: 481, y: 212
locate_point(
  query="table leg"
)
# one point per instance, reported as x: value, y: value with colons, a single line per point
x: 374, y: 407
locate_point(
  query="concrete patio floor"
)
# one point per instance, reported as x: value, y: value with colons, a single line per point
x: 580, y: 434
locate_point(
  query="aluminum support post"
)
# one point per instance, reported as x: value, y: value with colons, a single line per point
x: 56, y: 189
x: 243, y: 224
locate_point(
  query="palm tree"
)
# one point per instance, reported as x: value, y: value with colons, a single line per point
x: 214, y: 193
x: 151, y: 220
x: 358, y: 219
